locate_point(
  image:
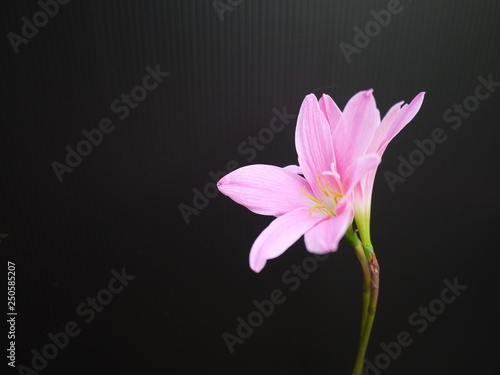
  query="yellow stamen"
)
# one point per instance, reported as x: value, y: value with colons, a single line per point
x: 321, y: 186
x: 331, y: 213
x: 334, y: 193
x: 319, y: 207
x: 328, y: 192
x: 315, y: 200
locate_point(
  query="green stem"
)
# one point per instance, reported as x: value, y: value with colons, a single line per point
x: 374, y: 272
x: 366, y: 285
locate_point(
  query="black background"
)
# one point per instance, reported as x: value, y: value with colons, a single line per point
x: 119, y: 207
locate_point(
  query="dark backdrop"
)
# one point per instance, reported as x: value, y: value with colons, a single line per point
x: 232, y: 66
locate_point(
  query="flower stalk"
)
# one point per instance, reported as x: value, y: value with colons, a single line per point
x: 354, y: 241
x: 371, y: 282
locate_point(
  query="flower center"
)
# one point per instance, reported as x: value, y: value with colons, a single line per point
x: 329, y: 201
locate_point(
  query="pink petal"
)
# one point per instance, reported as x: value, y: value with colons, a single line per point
x: 293, y: 168
x: 325, y: 236
x: 362, y: 195
x: 405, y: 115
x: 313, y: 141
x: 355, y: 129
x: 265, y: 189
x: 384, y: 127
x: 330, y: 110
x: 359, y: 169
x: 354, y: 174
x: 282, y: 233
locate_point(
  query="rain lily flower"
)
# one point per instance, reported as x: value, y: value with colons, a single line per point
x: 332, y: 157
x: 338, y: 155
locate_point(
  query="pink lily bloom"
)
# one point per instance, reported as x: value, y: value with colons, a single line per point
x: 332, y: 154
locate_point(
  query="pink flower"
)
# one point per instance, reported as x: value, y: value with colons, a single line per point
x: 338, y: 154
x: 332, y: 149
